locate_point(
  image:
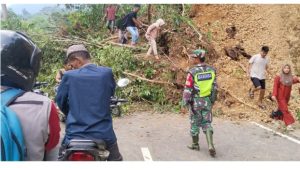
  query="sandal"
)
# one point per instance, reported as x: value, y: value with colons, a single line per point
x: 290, y: 128
x: 251, y: 93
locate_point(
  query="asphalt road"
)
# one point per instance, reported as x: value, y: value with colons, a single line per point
x: 164, y: 137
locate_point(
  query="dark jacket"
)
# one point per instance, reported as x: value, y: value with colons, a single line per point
x: 84, y: 95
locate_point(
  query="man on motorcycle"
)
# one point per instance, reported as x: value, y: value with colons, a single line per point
x: 84, y: 95
x: 20, y: 64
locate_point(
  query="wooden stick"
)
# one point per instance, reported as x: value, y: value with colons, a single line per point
x: 148, y: 80
x: 108, y: 39
x: 195, y: 29
x: 241, y: 101
x: 122, y: 45
x: 242, y: 66
x: 126, y: 45
x: 182, y: 14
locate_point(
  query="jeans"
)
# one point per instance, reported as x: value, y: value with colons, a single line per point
x: 134, y: 34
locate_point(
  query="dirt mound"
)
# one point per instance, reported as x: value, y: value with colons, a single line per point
x: 255, y: 25
x: 239, y: 30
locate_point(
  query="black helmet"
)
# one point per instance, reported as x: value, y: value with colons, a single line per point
x: 20, y: 60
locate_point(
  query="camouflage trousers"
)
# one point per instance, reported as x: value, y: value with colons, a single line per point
x: 200, y: 116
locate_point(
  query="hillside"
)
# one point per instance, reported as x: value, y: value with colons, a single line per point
x: 274, y: 25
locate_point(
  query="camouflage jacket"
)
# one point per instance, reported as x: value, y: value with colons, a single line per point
x: 191, y: 90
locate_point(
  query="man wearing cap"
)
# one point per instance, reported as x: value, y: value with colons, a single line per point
x: 199, y: 95
x: 84, y: 96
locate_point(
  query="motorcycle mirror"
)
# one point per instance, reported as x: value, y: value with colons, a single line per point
x: 123, y: 82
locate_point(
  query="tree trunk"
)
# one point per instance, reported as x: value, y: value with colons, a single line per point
x: 182, y: 12
x: 149, y: 14
x: 104, y: 9
x: 4, y: 13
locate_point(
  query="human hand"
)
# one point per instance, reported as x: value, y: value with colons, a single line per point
x: 274, y: 98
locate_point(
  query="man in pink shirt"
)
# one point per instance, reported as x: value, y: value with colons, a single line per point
x: 110, y: 16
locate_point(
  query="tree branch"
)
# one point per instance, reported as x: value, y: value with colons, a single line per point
x: 148, y: 80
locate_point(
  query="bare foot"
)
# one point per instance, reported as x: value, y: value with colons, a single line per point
x: 157, y: 58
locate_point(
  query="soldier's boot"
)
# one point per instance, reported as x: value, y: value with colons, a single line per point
x: 209, y: 139
x: 195, y: 144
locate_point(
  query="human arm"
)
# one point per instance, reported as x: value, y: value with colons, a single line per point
x: 187, y: 93
x: 136, y: 21
x: 149, y: 29
x: 275, y: 88
x: 214, y: 91
x: 58, y: 77
x: 268, y: 70
x: 188, y: 89
x: 251, y: 61
x: 113, y: 83
x: 105, y: 15
x: 62, y: 95
x: 54, y: 128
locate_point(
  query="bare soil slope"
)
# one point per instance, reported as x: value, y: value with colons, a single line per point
x: 274, y: 25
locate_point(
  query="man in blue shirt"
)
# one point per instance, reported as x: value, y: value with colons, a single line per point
x: 84, y: 95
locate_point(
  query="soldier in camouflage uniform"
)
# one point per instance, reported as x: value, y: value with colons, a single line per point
x: 199, y: 95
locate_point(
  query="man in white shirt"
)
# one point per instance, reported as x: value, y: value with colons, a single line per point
x: 258, y: 65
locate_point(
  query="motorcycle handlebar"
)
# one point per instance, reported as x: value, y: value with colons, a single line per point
x: 38, y: 84
x: 115, y: 100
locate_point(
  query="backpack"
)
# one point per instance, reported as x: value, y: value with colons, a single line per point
x: 276, y: 114
x: 12, y: 140
x: 122, y: 23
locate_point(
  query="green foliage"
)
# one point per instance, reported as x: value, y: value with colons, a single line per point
x: 12, y: 23
x: 85, y: 21
x: 152, y: 93
x: 209, y: 36
x: 149, y: 73
x: 118, y: 58
x: 298, y: 114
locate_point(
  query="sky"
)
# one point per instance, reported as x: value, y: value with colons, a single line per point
x: 31, y: 8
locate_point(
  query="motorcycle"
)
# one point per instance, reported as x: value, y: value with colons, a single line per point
x: 115, y: 102
x: 37, y: 88
x: 89, y: 150
x: 85, y: 150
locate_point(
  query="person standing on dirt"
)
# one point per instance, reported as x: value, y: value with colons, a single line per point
x: 132, y: 24
x: 258, y: 65
x: 110, y: 16
x: 84, y: 95
x: 199, y: 95
x: 151, y: 35
x: 281, y: 94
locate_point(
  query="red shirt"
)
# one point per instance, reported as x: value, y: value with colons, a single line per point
x: 111, y: 13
